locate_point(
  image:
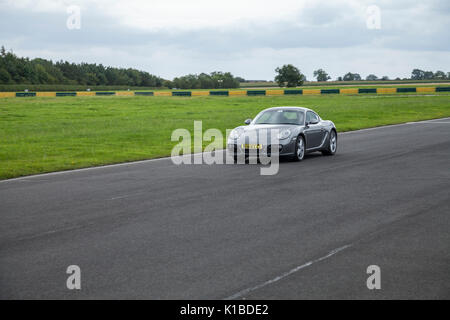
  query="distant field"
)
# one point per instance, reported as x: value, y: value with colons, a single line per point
x: 48, y: 134
x: 351, y: 84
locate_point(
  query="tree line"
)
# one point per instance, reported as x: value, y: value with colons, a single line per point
x: 17, y: 70
x: 214, y: 80
x: 290, y: 76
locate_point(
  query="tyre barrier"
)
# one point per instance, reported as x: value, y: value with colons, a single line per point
x: 143, y: 93
x: 218, y: 93
x: 256, y: 92
x: 107, y: 93
x: 66, y: 94
x: 300, y: 91
x: 367, y: 90
x: 226, y: 93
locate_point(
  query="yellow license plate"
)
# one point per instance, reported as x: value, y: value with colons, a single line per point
x: 252, y: 146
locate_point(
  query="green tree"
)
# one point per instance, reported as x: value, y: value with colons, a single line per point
x: 371, y: 77
x: 428, y: 75
x: 5, y: 77
x: 168, y: 84
x: 417, y: 74
x: 352, y: 77
x: 289, y: 75
x: 440, y: 75
x: 321, y: 75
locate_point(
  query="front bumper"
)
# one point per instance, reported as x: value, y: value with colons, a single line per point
x: 285, y: 148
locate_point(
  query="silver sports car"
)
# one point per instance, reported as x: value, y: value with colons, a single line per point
x: 298, y: 131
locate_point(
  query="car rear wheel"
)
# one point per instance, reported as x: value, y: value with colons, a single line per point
x: 299, y: 153
x: 332, y: 144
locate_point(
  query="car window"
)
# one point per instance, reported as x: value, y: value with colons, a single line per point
x: 311, y: 116
x: 265, y: 117
x: 280, y: 117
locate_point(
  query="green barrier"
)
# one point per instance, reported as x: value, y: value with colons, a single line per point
x: 66, y: 94
x: 329, y: 91
x: 406, y: 90
x: 367, y: 90
x: 300, y: 91
x: 181, y: 93
x: 143, y: 93
x: 256, y: 92
x: 25, y: 94
x: 105, y: 93
x: 442, y: 89
x: 218, y: 93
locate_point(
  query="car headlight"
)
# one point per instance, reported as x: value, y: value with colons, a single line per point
x: 284, y: 134
x: 236, y: 133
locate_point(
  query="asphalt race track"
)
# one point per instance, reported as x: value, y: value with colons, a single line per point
x: 159, y: 231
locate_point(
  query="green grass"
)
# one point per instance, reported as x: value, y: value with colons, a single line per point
x: 49, y: 134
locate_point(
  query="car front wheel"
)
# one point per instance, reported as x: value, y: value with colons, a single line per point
x: 299, y: 153
x: 332, y: 144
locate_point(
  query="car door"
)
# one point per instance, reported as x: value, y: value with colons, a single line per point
x: 314, y: 130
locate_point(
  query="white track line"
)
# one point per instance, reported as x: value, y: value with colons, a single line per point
x: 193, y: 154
x: 244, y: 292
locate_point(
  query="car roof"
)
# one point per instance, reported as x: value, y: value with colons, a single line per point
x: 288, y: 107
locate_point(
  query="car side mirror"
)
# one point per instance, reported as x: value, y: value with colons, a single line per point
x: 314, y: 122
x: 248, y: 121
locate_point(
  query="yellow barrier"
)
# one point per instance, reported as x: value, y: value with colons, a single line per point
x: 348, y: 91
x: 425, y: 90
x: 311, y: 91
x: 386, y: 90
x: 85, y: 93
x: 231, y: 92
x: 200, y: 93
x: 7, y: 94
x: 124, y: 93
x: 274, y: 92
x: 45, y: 94
x: 237, y: 93
x: 162, y: 94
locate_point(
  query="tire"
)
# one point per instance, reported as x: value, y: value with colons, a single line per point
x: 332, y: 144
x: 299, y: 152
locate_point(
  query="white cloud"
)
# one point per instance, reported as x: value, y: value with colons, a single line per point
x: 247, y: 37
x: 197, y: 14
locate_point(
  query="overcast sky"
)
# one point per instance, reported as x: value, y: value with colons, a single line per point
x: 249, y: 38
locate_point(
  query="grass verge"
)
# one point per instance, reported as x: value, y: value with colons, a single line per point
x: 40, y: 135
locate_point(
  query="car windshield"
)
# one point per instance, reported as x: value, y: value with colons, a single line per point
x: 280, y: 116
